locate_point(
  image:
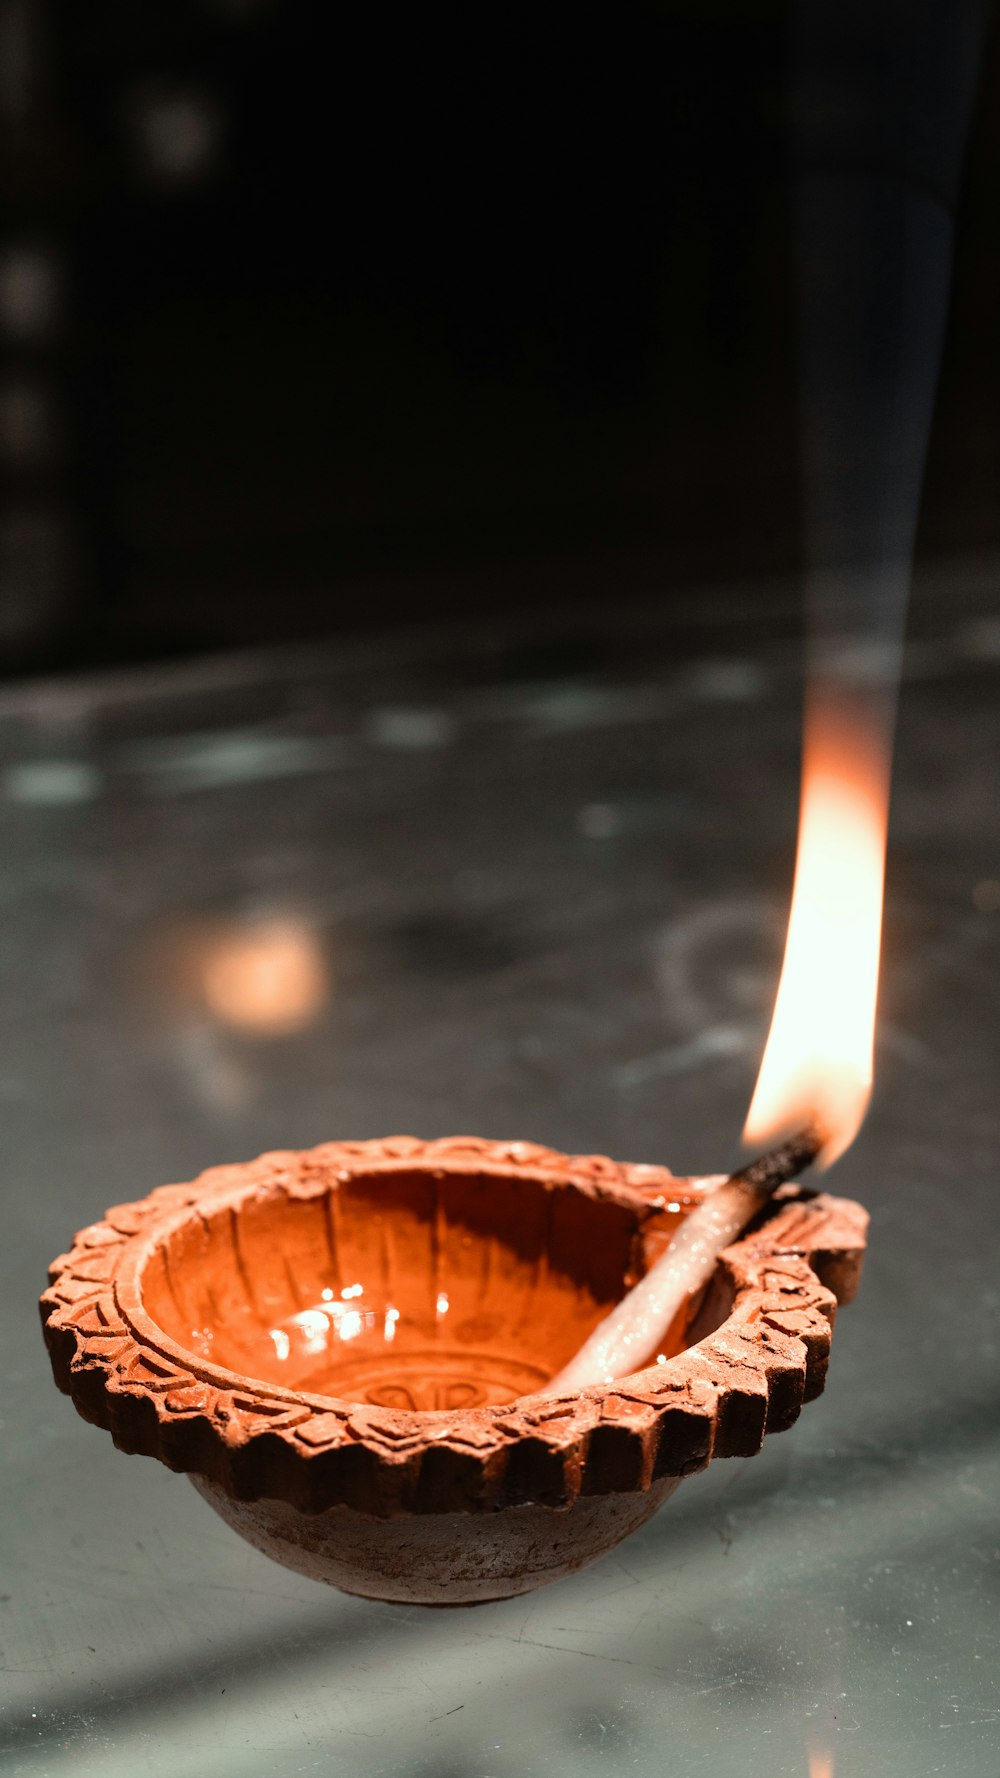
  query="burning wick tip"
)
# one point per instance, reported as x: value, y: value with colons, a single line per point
x: 774, y: 1169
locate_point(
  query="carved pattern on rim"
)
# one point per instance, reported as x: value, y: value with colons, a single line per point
x: 256, y: 1440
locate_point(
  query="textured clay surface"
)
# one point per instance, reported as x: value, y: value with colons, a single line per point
x: 439, y: 1558
x: 361, y: 1331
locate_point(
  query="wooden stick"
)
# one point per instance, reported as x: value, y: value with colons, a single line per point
x: 627, y: 1338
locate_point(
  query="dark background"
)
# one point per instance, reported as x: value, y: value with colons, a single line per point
x: 317, y: 318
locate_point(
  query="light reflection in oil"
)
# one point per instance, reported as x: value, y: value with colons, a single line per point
x: 338, y: 1319
x: 311, y: 1332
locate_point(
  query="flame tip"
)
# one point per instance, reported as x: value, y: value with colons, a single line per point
x: 817, y: 1062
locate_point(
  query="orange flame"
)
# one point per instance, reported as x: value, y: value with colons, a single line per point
x: 817, y: 1063
x: 820, y: 1765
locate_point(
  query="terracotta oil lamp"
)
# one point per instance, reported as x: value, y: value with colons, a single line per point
x: 361, y: 1353
x: 347, y: 1350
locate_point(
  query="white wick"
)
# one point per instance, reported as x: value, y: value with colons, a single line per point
x: 627, y: 1339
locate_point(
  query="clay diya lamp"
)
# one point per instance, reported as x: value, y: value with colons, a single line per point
x: 347, y: 1350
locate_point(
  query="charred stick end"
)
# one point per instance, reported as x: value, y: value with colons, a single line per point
x: 763, y: 1176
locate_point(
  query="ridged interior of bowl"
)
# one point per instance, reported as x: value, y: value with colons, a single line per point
x: 403, y: 1290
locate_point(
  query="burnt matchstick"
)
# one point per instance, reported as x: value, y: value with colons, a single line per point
x: 626, y: 1339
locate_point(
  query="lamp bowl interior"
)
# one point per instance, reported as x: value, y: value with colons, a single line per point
x: 404, y: 1290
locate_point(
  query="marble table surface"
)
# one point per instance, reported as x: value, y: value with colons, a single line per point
x: 523, y: 878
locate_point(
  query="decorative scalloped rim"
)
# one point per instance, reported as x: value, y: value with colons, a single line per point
x: 257, y: 1440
